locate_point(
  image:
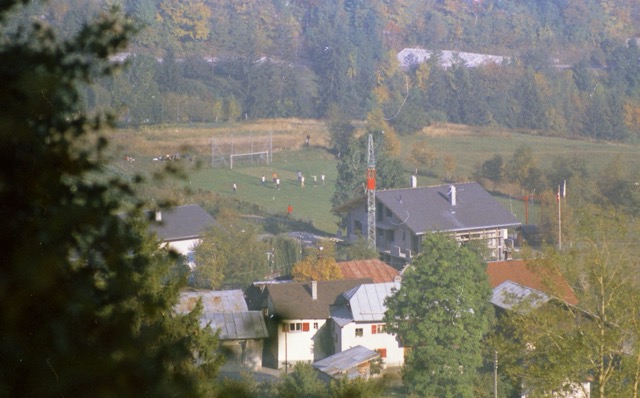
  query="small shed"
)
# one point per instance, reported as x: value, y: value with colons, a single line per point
x: 352, y: 363
x: 241, y: 332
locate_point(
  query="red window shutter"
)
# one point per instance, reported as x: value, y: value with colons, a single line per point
x: 305, y: 327
x: 373, y: 329
x: 382, y: 352
x: 285, y: 328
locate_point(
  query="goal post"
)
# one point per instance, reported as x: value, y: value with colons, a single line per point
x: 262, y: 155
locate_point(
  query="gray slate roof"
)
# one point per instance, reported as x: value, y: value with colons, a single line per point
x: 345, y: 361
x: 367, y: 301
x: 213, y: 301
x: 181, y: 223
x: 227, y: 311
x: 293, y: 300
x: 237, y: 325
x: 429, y: 209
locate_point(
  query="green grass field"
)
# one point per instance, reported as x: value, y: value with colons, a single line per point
x: 470, y: 147
x: 310, y: 203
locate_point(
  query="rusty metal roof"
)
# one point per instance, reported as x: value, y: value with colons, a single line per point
x: 518, y: 272
x: 375, y: 269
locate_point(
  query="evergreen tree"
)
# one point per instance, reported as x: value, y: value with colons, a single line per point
x: 441, y: 314
x: 85, y: 304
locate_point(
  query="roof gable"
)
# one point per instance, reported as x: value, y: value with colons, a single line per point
x: 367, y: 301
x: 430, y: 209
x: 375, y: 269
x: 518, y: 272
x: 293, y: 300
x: 181, y: 223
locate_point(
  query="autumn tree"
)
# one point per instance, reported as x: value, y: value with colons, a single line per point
x: 230, y: 255
x: 441, y: 314
x: 449, y: 166
x: 318, y: 263
x: 186, y: 19
x: 521, y: 166
x: 423, y: 157
x: 554, y: 345
x: 316, y: 269
x: 85, y: 305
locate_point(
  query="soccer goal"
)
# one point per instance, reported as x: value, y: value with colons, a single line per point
x: 252, y: 157
x: 241, y: 151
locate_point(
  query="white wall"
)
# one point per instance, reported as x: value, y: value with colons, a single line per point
x: 183, y: 246
x: 300, y: 346
x: 348, y: 339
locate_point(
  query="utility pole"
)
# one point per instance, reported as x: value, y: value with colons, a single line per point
x: 371, y: 195
x: 559, y: 220
x: 495, y: 375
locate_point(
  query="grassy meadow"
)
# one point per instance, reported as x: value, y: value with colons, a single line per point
x: 468, y: 146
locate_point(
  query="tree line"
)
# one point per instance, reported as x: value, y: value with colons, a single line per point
x: 219, y: 61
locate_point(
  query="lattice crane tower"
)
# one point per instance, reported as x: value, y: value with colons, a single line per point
x: 371, y: 195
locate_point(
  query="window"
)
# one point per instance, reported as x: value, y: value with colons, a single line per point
x: 295, y: 327
x: 315, y: 325
x: 377, y: 329
x: 382, y: 352
x: 359, y: 332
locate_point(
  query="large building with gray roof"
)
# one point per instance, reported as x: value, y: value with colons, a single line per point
x: 404, y: 216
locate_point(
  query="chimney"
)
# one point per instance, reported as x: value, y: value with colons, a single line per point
x: 158, y: 216
x: 314, y: 290
x: 414, y: 181
x: 452, y: 192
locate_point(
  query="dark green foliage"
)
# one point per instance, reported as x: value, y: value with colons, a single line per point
x: 358, y: 250
x: 493, y: 169
x: 442, y: 313
x: 85, y: 307
x: 357, y: 388
x: 302, y: 382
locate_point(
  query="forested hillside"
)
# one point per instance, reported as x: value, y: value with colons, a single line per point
x: 574, y: 68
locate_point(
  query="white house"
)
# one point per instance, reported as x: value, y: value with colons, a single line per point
x: 357, y: 320
x: 181, y: 228
x: 297, y: 315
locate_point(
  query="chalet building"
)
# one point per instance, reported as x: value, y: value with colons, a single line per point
x: 297, y: 314
x: 358, y: 320
x: 405, y: 216
x: 181, y: 228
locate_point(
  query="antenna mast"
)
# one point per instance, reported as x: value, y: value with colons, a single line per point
x: 371, y: 195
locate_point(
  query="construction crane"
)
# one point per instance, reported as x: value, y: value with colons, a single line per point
x: 371, y: 195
